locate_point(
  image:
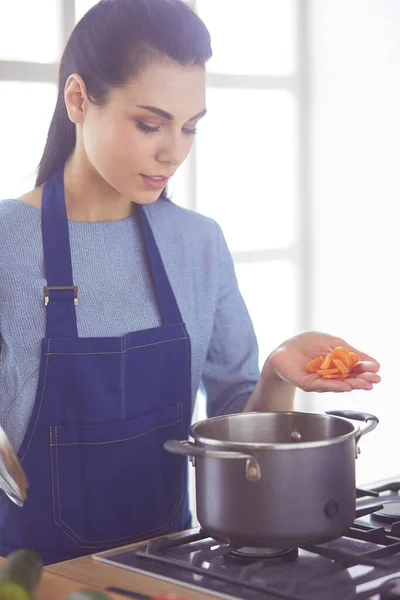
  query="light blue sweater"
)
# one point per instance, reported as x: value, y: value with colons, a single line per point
x: 116, y: 296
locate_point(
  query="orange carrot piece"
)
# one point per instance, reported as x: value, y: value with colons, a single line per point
x: 326, y: 363
x: 335, y: 365
x: 340, y: 365
x: 342, y: 354
x: 314, y: 364
x: 354, y: 358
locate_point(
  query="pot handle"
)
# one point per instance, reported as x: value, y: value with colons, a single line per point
x: 371, y: 420
x: 186, y: 448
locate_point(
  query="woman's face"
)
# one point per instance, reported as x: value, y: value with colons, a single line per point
x: 144, y: 130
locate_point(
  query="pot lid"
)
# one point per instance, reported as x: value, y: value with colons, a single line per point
x: 13, y: 480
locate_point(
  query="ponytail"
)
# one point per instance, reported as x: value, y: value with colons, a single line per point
x: 60, y: 142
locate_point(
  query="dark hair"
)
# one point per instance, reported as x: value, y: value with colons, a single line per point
x: 113, y: 42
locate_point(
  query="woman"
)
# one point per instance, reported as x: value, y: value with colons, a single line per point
x: 135, y: 299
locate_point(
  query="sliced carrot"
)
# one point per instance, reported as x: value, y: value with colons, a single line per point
x: 354, y: 358
x: 340, y: 365
x: 314, y: 364
x: 337, y: 376
x: 342, y: 354
x: 326, y: 363
x: 335, y: 365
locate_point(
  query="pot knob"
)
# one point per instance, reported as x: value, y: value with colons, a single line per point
x: 253, y: 472
x: 295, y: 436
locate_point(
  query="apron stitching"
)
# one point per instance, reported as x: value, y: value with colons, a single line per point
x: 122, y: 379
x: 120, y: 440
x: 57, y: 473
x: 189, y: 370
x: 131, y: 539
x: 101, y: 542
x: 181, y: 424
x: 41, y: 400
x: 186, y: 346
x: 52, y: 475
x: 139, y: 535
x: 125, y: 350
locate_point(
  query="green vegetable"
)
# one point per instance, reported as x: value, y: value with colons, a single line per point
x: 87, y: 595
x: 19, y: 574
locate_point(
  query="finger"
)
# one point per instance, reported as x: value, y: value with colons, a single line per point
x: 365, y: 366
x: 362, y: 382
x: 372, y: 377
x: 365, y: 357
x: 331, y: 385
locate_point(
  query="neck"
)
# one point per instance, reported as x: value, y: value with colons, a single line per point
x: 88, y: 197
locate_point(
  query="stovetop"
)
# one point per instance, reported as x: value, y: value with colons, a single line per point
x: 363, y: 564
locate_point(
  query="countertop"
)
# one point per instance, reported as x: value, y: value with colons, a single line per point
x: 96, y: 574
x: 61, y: 579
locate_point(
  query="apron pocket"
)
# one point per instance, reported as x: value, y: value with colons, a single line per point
x: 115, y: 484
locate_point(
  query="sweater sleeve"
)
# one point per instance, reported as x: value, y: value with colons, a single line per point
x: 231, y: 369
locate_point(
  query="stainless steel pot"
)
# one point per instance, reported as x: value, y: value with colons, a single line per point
x: 278, y: 479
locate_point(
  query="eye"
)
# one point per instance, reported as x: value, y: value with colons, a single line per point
x: 189, y: 131
x: 146, y: 128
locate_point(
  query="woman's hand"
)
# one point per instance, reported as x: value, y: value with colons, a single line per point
x: 289, y: 362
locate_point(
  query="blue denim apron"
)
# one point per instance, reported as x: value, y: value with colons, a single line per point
x: 93, y: 451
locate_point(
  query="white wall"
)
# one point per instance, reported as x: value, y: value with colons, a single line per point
x: 355, y: 183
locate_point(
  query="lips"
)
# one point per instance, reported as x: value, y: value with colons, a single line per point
x: 155, y: 182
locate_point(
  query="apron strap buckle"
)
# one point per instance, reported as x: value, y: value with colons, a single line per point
x: 60, y: 287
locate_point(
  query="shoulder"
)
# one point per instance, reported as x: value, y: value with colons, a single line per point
x: 189, y: 226
x: 13, y: 210
x: 18, y: 221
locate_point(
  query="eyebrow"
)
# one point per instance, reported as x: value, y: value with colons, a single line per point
x: 166, y: 115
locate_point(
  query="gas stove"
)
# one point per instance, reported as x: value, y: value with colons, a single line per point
x: 365, y: 563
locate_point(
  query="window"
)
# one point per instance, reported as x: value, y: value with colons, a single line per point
x: 82, y: 6
x: 244, y: 169
x: 29, y: 31
x: 259, y: 39
x: 23, y: 137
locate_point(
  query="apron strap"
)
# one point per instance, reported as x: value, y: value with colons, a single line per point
x: 60, y: 292
x: 169, y: 310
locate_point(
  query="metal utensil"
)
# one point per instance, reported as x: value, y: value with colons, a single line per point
x: 13, y: 480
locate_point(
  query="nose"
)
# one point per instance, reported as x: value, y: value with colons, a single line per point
x: 174, y: 149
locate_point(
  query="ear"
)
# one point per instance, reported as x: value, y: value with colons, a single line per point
x: 75, y: 98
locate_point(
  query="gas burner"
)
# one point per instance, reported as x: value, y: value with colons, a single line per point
x: 390, y: 513
x: 247, y: 555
